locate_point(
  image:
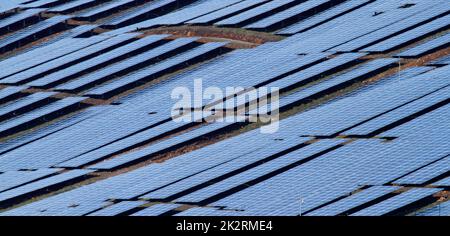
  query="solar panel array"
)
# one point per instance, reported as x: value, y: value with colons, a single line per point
x: 86, y: 90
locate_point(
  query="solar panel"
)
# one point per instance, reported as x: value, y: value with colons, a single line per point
x: 95, y: 13
x: 393, y: 29
x: 286, y: 14
x: 42, y: 3
x: 118, y: 208
x: 51, y: 51
x: 343, y: 29
x: 400, y: 113
x: 416, y: 127
x: 442, y: 209
x: 9, y: 22
x: 322, y: 17
x: 426, y: 47
x: 132, y: 63
x: 156, y: 210
x: 352, y: 201
x: 24, y: 104
x: 426, y: 173
x: 98, y: 61
x: 409, y: 36
x: 182, y: 166
x: 226, y: 12
x: 190, y: 12
x: 146, y: 10
x: 254, y: 12
x: 10, y: 92
x: 209, y: 211
x: 42, y: 184
x: 20, y: 37
x: 72, y: 6
x: 248, y: 175
x: 11, y: 179
x: 154, y: 71
x: 443, y: 182
x: 395, y: 203
x: 43, y: 132
x: 20, y: 122
x: 67, y: 60
x: 142, y: 152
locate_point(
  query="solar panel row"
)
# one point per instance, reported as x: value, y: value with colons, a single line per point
x: 426, y: 47
x: 127, y: 65
x: 322, y: 17
x: 394, y: 203
x: 226, y: 12
x: 101, y: 60
x: 154, y: 71
x: 16, y: 19
x: 22, y: 36
x: 147, y: 10
x: 294, y: 11
x: 389, y: 31
x: 100, y: 11
x: 67, y: 60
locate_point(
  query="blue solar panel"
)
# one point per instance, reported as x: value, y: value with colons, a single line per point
x: 5, y: 24
x: 343, y: 29
x: 80, y: 30
x: 416, y: 127
x: 443, y: 182
x: 42, y: 184
x: 13, y: 40
x: 126, y: 143
x: 100, y: 60
x: 157, y: 209
x: 426, y: 173
x: 72, y: 6
x: 118, y: 208
x: 394, y: 203
x: 254, y: 12
x: 11, y: 179
x: 400, y: 113
x: 51, y: 51
x: 245, y: 176
x: 209, y: 211
x: 9, y: 126
x: 322, y: 17
x: 42, y: 3
x: 135, y: 62
x: 427, y: 47
x: 43, y: 132
x: 67, y: 60
x: 104, y: 9
x: 286, y: 14
x: 22, y: 105
x: 324, y: 120
x: 153, y: 71
x: 183, y: 166
x: 10, y: 92
x: 391, y: 30
x: 409, y: 36
x: 442, y: 209
x: 227, y: 11
x: 190, y: 12
x: 216, y: 172
x: 352, y: 201
x: 148, y: 9
x: 58, y: 207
